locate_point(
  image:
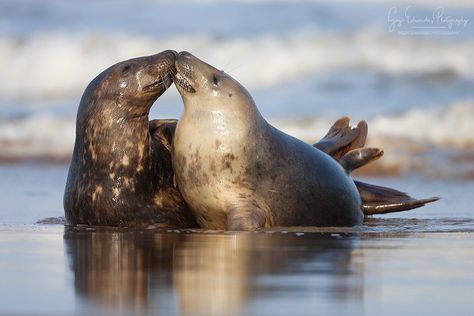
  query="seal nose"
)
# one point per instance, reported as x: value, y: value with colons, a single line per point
x: 169, y: 54
x: 174, y: 53
x: 184, y: 55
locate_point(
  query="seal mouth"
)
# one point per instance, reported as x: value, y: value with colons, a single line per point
x: 164, y: 81
x: 181, y: 82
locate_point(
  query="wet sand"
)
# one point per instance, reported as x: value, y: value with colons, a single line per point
x: 409, y: 263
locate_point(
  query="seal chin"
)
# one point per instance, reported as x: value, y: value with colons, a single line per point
x: 183, y: 78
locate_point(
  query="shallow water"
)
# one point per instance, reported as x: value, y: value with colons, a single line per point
x: 417, y: 262
x: 45, y: 270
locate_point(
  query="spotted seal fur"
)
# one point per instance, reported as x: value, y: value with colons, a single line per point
x: 121, y: 173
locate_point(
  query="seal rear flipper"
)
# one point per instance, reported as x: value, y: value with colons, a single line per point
x: 341, y: 138
x: 360, y: 157
x: 381, y: 200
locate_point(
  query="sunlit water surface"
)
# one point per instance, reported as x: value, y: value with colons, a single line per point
x: 47, y: 270
x: 410, y: 263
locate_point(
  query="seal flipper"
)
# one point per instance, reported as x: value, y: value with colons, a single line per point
x: 163, y: 131
x: 359, y: 157
x: 173, y: 209
x: 341, y: 138
x: 378, y: 199
x: 344, y: 144
x: 248, y: 215
x: 381, y: 200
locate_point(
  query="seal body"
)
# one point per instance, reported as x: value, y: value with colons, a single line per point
x: 120, y: 172
x: 238, y: 172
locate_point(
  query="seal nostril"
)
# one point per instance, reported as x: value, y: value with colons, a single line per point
x: 174, y: 53
x: 183, y: 54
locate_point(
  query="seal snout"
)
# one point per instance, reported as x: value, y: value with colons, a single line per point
x: 157, y: 75
x: 184, y: 72
x: 173, y: 53
x: 184, y: 54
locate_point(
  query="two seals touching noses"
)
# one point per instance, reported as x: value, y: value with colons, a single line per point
x: 238, y: 172
x: 234, y: 169
x: 120, y: 172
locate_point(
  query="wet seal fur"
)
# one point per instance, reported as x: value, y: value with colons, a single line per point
x: 121, y: 172
x: 238, y: 172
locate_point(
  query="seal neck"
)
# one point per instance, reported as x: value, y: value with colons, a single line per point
x: 113, y: 140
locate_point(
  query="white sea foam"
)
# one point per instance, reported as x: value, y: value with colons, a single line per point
x: 451, y: 126
x: 437, y: 143
x: 39, y: 136
x: 52, y: 66
x: 402, y: 136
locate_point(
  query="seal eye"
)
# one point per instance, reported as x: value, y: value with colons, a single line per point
x: 214, y: 79
x: 126, y: 68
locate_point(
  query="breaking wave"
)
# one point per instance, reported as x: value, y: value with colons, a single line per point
x: 451, y: 126
x: 59, y: 65
x: 435, y: 142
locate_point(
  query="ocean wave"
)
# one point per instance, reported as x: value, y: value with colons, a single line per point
x: 57, y: 65
x: 451, y: 126
x: 435, y: 142
x: 42, y: 137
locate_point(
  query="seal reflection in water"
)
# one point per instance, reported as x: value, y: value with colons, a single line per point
x: 128, y: 272
x: 121, y: 172
x: 238, y: 172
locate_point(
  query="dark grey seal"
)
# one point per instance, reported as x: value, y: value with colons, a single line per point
x: 121, y: 172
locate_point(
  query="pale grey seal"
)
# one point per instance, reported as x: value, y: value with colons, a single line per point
x: 238, y: 172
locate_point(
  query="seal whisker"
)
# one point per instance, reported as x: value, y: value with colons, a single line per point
x: 182, y: 83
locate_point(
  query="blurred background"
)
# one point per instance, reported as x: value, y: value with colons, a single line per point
x: 406, y: 67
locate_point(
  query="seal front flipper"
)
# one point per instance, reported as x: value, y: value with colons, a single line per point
x: 167, y: 197
x: 381, y: 200
x: 246, y: 217
x: 162, y: 131
x: 341, y: 138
